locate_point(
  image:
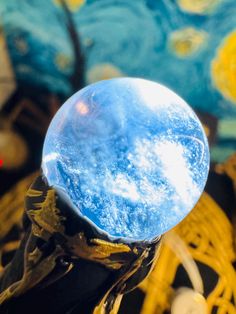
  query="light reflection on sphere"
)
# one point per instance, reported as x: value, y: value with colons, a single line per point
x: 130, y: 155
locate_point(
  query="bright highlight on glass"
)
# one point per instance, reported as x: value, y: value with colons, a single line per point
x: 131, y: 156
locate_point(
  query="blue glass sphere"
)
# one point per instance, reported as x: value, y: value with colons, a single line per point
x: 130, y: 155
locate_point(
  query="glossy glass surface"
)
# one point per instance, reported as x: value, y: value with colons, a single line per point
x: 131, y: 156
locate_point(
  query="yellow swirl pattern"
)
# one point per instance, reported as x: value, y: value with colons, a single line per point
x: 223, y: 68
x: 187, y: 41
x: 199, y: 6
x: 62, y: 61
x: 73, y: 5
x: 103, y: 71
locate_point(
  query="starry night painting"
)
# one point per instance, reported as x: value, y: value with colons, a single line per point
x: 195, y: 42
x: 189, y: 46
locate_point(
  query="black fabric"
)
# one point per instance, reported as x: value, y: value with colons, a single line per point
x: 88, y: 281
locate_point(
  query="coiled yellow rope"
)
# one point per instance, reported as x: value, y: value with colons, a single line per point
x: 209, y: 237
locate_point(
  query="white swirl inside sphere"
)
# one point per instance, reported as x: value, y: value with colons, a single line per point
x: 131, y: 156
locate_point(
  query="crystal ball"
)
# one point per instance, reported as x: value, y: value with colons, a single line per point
x: 130, y: 155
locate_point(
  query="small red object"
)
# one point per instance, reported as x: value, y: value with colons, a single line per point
x: 1, y: 163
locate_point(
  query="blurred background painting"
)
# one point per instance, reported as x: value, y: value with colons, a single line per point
x: 56, y: 47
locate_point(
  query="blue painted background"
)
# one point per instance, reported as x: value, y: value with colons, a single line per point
x: 122, y: 37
